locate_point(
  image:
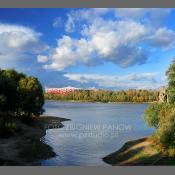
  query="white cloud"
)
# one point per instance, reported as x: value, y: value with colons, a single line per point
x: 163, y: 38
x: 138, y: 81
x: 119, y: 39
x: 16, y: 42
x: 18, y: 37
x: 154, y: 16
x: 76, y: 16
x: 111, y: 41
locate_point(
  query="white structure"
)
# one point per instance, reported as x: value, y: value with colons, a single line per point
x: 60, y: 90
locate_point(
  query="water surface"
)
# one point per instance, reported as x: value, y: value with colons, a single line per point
x: 95, y: 130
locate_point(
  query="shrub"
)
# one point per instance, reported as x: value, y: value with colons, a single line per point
x: 165, y: 113
x: 162, y: 117
x: 166, y: 132
x: 151, y: 114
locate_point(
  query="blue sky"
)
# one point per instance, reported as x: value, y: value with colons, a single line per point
x: 89, y: 48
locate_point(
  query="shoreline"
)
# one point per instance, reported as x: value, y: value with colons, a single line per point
x: 82, y: 101
x: 140, y: 152
x: 26, y: 148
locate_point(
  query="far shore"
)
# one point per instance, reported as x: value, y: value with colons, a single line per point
x: 86, y: 101
x: 138, y: 152
x: 26, y: 147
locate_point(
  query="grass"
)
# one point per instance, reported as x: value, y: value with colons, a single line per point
x: 139, y: 152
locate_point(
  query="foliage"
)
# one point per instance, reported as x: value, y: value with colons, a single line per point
x: 166, y: 133
x: 130, y: 95
x: 20, y: 95
x: 30, y: 89
x: 171, y: 82
x: 162, y: 116
x: 151, y: 114
x: 166, y: 110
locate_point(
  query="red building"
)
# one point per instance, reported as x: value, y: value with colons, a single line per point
x: 64, y: 90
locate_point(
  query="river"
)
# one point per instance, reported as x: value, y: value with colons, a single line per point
x: 95, y: 130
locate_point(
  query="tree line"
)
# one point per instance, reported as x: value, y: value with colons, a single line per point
x: 131, y: 95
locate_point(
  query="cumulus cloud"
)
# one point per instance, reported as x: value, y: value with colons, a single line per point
x: 16, y: 41
x: 17, y: 37
x: 121, y: 39
x: 76, y: 16
x: 163, y: 38
x: 103, y: 41
x: 154, y: 16
x: 136, y: 81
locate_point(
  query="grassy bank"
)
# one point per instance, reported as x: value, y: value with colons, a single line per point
x: 139, y: 152
x: 25, y: 147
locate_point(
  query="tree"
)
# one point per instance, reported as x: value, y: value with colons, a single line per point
x: 19, y: 94
x: 8, y: 89
x: 31, y: 96
x: 171, y: 82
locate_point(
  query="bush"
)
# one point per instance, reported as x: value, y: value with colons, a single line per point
x: 165, y: 113
x: 162, y: 117
x: 166, y: 132
x: 151, y: 114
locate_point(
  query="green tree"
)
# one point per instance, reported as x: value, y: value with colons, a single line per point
x: 31, y: 96
x: 171, y: 82
x: 20, y: 94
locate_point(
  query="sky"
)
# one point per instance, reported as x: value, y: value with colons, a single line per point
x: 89, y: 48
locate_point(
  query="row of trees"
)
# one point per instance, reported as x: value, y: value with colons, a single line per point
x: 20, y: 95
x: 161, y: 116
x: 130, y: 95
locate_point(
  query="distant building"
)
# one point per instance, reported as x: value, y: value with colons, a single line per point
x: 63, y: 90
x: 66, y: 90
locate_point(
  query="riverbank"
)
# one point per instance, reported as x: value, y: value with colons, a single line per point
x: 26, y: 147
x: 138, y: 152
x: 88, y: 101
